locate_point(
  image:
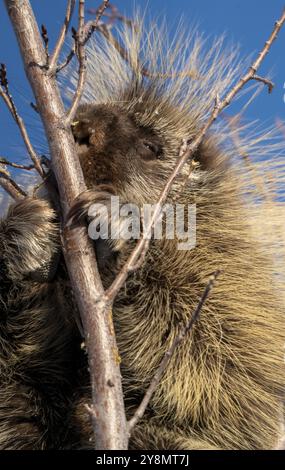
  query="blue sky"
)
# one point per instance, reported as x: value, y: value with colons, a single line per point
x: 245, y: 22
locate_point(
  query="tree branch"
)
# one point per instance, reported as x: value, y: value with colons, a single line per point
x: 55, y: 55
x: 91, y: 26
x: 79, y: 44
x: 169, y: 354
x: 67, y: 60
x: 112, y: 16
x: 265, y: 81
x: 4, y: 161
x: 10, y: 186
x: 46, y: 41
x: 251, y: 74
x: 89, y: 29
x: 81, y: 37
x: 110, y: 422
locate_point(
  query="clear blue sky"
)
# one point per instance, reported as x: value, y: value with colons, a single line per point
x: 246, y: 22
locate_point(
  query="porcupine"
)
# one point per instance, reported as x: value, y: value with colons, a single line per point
x: 224, y: 386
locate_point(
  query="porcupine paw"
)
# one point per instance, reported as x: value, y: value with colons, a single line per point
x: 105, y: 225
x: 29, y: 241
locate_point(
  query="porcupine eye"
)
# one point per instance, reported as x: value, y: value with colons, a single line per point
x: 150, y: 150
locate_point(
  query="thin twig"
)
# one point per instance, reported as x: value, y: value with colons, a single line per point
x: 70, y: 55
x: 265, y: 81
x: 34, y: 107
x: 62, y: 36
x: 10, y: 186
x: 251, y: 74
x: 4, y: 161
x: 46, y: 41
x: 7, y: 97
x: 169, y: 354
x: 81, y: 37
x: 113, y: 15
x: 89, y: 29
x: 91, y: 26
x: 186, y: 151
x: 64, y: 64
x: 82, y: 64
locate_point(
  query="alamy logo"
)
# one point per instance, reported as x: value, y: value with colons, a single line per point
x: 129, y: 221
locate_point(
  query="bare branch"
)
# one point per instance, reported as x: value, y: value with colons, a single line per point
x: 112, y: 16
x: 10, y: 185
x: 4, y: 161
x: 67, y: 60
x: 46, y: 41
x: 91, y: 26
x: 251, y: 74
x: 83, y: 35
x: 265, y: 81
x: 186, y: 151
x: 169, y: 354
x: 89, y: 29
x: 79, y: 44
x: 7, y: 97
x: 55, y: 55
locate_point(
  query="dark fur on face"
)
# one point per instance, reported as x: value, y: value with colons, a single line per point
x: 110, y: 145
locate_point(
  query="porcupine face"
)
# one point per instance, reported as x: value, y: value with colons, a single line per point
x: 113, y: 148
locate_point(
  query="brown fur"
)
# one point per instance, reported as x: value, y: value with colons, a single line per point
x: 224, y: 386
